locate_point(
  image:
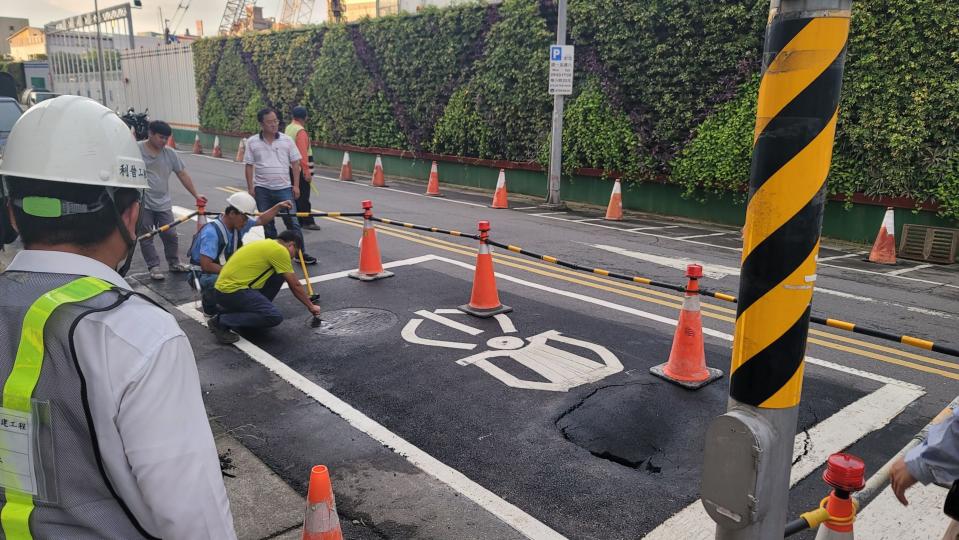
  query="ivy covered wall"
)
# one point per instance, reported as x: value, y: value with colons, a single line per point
x: 664, y: 88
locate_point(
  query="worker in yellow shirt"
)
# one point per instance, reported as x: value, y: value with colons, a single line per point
x: 249, y: 282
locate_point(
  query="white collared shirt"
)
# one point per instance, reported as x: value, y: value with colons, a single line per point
x: 271, y: 161
x: 145, y: 401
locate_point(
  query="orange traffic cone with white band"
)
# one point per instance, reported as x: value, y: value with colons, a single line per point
x: 371, y: 266
x: 171, y: 142
x: 217, y: 151
x: 321, y: 521
x: 484, y: 300
x: 500, y: 197
x: 687, y: 358
x: 846, y: 474
x: 884, y: 248
x: 614, y: 212
x: 197, y: 147
x: 379, y: 179
x: 346, y: 170
x: 241, y: 150
x: 433, y: 187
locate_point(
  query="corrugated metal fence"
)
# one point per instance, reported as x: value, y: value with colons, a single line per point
x: 161, y: 78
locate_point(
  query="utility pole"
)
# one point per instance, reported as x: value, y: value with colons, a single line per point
x: 748, y: 456
x: 103, y: 84
x: 553, y: 199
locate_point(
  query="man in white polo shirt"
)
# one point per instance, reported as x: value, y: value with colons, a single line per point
x: 269, y: 157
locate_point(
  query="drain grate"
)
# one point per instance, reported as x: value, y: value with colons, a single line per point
x: 929, y: 244
x: 355, y: 321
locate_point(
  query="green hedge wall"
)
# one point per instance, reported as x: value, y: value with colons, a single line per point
x: 663, y: 87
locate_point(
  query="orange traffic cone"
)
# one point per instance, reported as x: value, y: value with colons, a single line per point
x: 241, y: 150
x: 371, y: 266
x: 846, y: 474
x: 484, y: 300
x: 171, y: 142
x: 614, y: 212
x: 884, y: 248
x: 500, y: 196
x: 217, y: 151
x: 433, y: 187
x: 378, y: 178
x: 321, y: 521
x: 687, y: 358
x: 197, y: 147
x: 346, y: 171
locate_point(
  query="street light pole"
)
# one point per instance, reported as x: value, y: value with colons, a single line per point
x: 553, y: 199
x: 103, y: 84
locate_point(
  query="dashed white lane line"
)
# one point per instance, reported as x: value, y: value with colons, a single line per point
x: 839, y: 431
x: 394, y: 190
x: 653, y: 227
x: 701, y: 235
x: 508, y: 513
x: 837, y: 257
x: 907, y: 278
x: 907, y: 270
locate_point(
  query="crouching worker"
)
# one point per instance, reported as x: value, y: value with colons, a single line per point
x: 224, y: 236
x: 249, y: 282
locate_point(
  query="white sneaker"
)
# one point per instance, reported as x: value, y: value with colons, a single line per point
x: 156, y: 274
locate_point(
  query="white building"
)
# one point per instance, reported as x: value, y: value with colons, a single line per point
x: 28, y: 43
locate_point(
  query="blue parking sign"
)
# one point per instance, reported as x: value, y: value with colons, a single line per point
x: 556, y: 53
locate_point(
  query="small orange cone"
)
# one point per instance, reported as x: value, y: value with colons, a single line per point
x: 846, y: 474
x: 500, y: 196
x: 433, y: 187
x: 217, y: 151
x: 379, y: 179
x: 321, y: 521
x: 371, y: 266
x: 346, y: 171
x: 614, y: 212
x: 197, y: 147
x: 687, y: 358
x: 884, y: 248
x: 484, y: 300
x: 241, y: 150
x: 171, y: 142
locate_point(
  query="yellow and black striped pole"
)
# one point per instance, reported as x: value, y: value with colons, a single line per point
x: 792, y: 148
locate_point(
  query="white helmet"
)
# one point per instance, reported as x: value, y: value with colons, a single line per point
x: 243, y: 202
x: 74, y: 140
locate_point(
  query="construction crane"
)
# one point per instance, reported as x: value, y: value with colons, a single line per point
x: 295, y: 13
x: 177, y: 19
x: 232, y: 13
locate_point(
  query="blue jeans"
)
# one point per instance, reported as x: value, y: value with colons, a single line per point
x: 251, y: 308
x: 268, y: 198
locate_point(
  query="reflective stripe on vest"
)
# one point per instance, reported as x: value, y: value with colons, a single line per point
x: 19, y: 386
x: 291, y: 132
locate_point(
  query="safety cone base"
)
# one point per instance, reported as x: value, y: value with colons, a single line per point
x: 660, y: 371
x: 356, y: 274
x: 435, y: 195
x: 484, y: 313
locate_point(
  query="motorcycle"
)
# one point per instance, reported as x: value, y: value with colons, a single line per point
x: 137, y: 121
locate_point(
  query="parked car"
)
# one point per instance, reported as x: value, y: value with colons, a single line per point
x: 32, y: 96
x: 10, y: 111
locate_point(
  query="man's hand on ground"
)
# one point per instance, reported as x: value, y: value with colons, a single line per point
x: 900, y: 480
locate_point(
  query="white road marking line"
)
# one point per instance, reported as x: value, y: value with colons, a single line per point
x: 505, y: 323
x: 525, y: 207
x: 641, y: 232
x: 358, y: 184
x: 839, y: 431
x: 652, y: 227
x: 409, y: 334
x: 713, y: 271
x: 591, y: 219
x: 543, y: 214
x: 884, y: 518
x: 522, y: 522
x: 702, y: 235
x: 905, y: 270
x: 837, y: 257
x: 844, y: 295
x: 449, y: 322
x: 907, y: 278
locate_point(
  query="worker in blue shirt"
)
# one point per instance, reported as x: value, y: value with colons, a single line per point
x: 222, y: 237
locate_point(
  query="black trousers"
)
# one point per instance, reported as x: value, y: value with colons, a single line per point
x: 303, y: 201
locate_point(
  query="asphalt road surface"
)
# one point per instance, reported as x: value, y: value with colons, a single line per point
x: 546, y: 422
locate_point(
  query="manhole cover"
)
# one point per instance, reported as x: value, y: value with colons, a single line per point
x: 355, y: 321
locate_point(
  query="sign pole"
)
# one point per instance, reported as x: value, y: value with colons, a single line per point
x: 553, y: 199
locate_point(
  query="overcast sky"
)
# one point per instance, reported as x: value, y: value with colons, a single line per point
x: 41, y: 12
